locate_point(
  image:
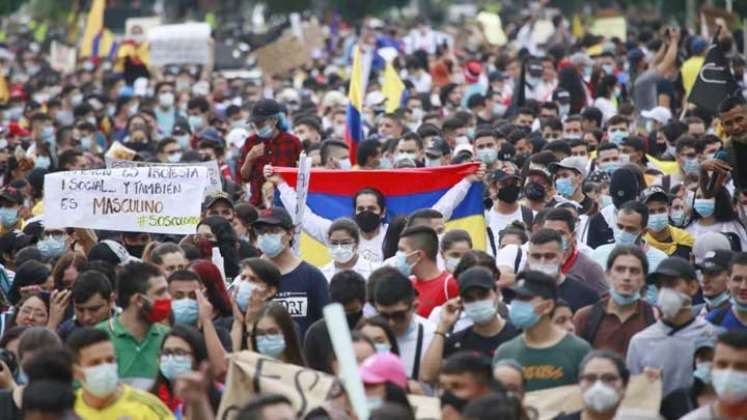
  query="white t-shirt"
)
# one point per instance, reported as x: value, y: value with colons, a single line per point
x: 409, y: 341
x: 497, y: 222
x: 697, y: 229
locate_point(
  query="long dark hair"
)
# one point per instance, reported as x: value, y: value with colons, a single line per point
x: 570, y: 80
x: 379, y: 322
x: 391, y: 238
x: 280, y: 315
x: 227, y: 242
x: 197, y: 344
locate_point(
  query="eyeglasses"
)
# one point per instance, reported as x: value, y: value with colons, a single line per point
x: 607, y: 378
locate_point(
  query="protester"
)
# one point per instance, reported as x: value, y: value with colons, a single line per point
x: 274, y: 334
x: 734, y: 315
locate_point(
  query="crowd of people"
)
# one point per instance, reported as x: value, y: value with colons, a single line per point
x: 614, y: 214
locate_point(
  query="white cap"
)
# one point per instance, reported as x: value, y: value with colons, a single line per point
x: 659, y: 114
x: 237, y: 136
x: 374, y: 99
x: 462, y: 147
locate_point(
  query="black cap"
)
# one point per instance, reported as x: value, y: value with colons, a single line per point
x: 13, y: 241
x: 276, y: 216
x: 561, y: 95
x: 716, y: 262
x: 623, y: 187
x: 215, y: 197
x: 501, y: 176
x: 506, y: 151
x: 672, y: 267
x: 654, y: 192
x: 265, y: 108
x: 535, y: 283
x: 181, y: 127
x: 438, y: 148
x: 635, y: 142
x: 476, y: 277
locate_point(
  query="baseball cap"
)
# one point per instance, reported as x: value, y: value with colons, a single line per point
x: 654, y: 192
x: 11, y: 194
x: 535, y: 283
x: 659, y: 114
x: 561, y: 96
x: 181, y: 127
x: 575, y: 163
x: 464, y: 147
x: 635, y: 55
x: 581, y: 58
x: 708, y: 242
x: 698, y: 45
x: 214, y: 198
x: 264, y: 109
x: 672, y: 267
x: 275, y: 216
x: 382, y: 368
x: 111, y: 252
x: 13, y: 241
x: 635, y: 142
x: 438, y: 148
x: 479, y: 277
x: 622, y: 187
x: 716, y: 262
x: 501, y: 176
x: 212, y: 136
x: 506, y: 151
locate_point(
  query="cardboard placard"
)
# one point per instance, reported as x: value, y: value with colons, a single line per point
x: 185, y: 43
x: 610, y: 27
x: 250, y: 373
x: 152, y: 199
x: 289, y: 51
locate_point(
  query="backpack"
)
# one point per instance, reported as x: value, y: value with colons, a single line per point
x: 527, y: 217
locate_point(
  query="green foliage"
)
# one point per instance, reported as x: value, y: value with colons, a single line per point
x: 9, y: 6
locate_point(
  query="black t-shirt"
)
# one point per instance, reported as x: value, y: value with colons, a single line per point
x: 740, y: 152
x: 586, y: 204
x: 8, y: 409
x: 576, y: 293
x: 468, y: 340
x: 304, y: 292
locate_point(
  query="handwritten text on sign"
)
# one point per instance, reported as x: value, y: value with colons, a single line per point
x: 153, y: 199
x: 214, y: 184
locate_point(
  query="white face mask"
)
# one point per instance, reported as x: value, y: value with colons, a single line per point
x: 550, y: 269
x: 670, y: 302
x: 101, y: 380
x: 601, y: 398
x: 451, y: 263
x: 166, y: 99
x: 342, y: 253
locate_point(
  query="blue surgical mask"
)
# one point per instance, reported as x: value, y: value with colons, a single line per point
x: 705, y: 206
x: 606, y: 200
x: 183, y: 141
x: 265, y: 132
x: 480, y: 312
x: 678, y: 217
x: 609, y: 167
x: 730, y: 385
x: 564, y: 110
x: 624, y: 300
x: 271, y: 244
x: 8, y: 216
x: 173, y: 366
x: 703, y: 372
x: 401, y: 264
x: 42, y: 162
x: 374, y: 402
x: 587, y: 72
x: 271, y: 345
x: 51, y: 246
x: 345, y: 164
x: 48, y: 134
x: 185, y: 311
x: 488, y: 155
x: 243, y: 294
x: 657, y: 222
x: 382, y: 347
x: 565, y: 187
x: 522, y: 315
x: 717, y: 300
x: 617, y: 137
x: 196, y: 122
x: 385, y: 163
x: 174, y: 157
x: 623, y: 237
x: 432, y: 163
x: 738, y: 306
x: 608, y: 68
x: 86, y: 143
x: 691, y: 166
x: 652, y: 294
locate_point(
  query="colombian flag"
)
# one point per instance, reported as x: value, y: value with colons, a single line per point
x: 356, y: 92
x: 97, y: 40
x: 406, y: 190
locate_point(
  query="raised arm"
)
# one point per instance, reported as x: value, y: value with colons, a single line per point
x: 449, y: 201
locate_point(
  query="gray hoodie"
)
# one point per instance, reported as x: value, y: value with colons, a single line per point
x: 660, y: 347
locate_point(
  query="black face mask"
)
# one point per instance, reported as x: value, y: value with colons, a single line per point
x: 535, y: 191
x: 447, y: 398
x: 137, y: 146
x: 368, y: 221
x: 519, y: 160
x: 135, y: 250
x: 353, y: 318
x: 509, y: 194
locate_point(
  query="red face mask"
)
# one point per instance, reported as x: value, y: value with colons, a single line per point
x: 160, y: 310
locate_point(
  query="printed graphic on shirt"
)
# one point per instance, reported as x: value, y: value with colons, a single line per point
x: 297, y: 304
x: 543, y: 372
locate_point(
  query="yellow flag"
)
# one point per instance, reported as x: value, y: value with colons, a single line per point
x: 94, y: 25
x: 577, y: 27
x: 392, y: 88
x: 4, y: 90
